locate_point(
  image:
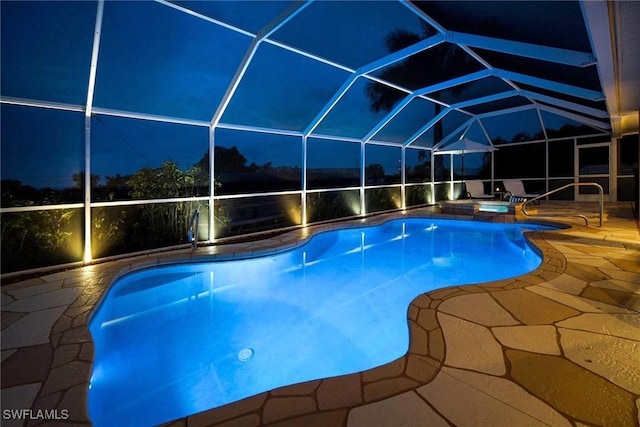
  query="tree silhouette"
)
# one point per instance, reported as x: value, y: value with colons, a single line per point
x: 381, y: 96
x: 442, y: 62
x: 417, y: 71
x: 439, y: 63
x: 227, y: 160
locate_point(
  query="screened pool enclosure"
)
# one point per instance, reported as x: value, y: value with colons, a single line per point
x: 121, y: 118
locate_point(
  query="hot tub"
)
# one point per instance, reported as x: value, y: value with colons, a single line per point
x: 488, y: 210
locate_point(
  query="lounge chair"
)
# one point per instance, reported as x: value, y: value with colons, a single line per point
x: 515, y: 189
x: 475, y: 190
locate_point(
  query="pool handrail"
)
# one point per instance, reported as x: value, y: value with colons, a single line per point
x: 573, y: 184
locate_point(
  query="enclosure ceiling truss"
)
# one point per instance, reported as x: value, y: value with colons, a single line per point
x: 451, y: 135
x: 246, y: 60
x: 544, y: 53
x: 468, y: 42
x: 426, y: 127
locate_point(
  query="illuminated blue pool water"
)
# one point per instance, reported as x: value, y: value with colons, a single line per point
x: 176, y: 340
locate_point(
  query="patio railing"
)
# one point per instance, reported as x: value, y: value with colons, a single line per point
x: 573, y: 184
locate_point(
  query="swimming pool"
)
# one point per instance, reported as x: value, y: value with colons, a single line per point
x: 176, y: 340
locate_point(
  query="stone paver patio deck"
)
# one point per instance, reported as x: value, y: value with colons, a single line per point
x: 557, y: 346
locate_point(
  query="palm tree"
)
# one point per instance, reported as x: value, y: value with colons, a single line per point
x: 439, y: 63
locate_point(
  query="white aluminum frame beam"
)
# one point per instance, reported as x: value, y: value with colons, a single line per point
x: 329, y: 105
x: 336, y: 138
x: 401, y: 54
x: 303, y: 196
x: 235, y: 82
x: 258, y: 129
x: 17, y: 209
x: 485, y: 99
x: 421, y: 93
x: 150, y: 117
x: 42, y: 104
x: 384, y: 143
x: 446, y: 139
x: 205, y: 17
x: 544, y: 131
x: 422, y: 15
x: 534, y: 97
x: 590, y: 111
x: 273, y: 26
x: 88, y: 255
x: 427, y: 126
x: 309, y: 55
x: 403, y: 178
x: 135, y: 202
x: 394, y: 112
x: 467, y: 78
x: 369, y: 68
x: 578, y: 92
x: 576, y: 117
x: 212, y: 186
x: 528, y: 50
x: 506, y: 111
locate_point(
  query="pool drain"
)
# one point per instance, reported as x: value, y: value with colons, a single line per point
x: 245, y: 354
